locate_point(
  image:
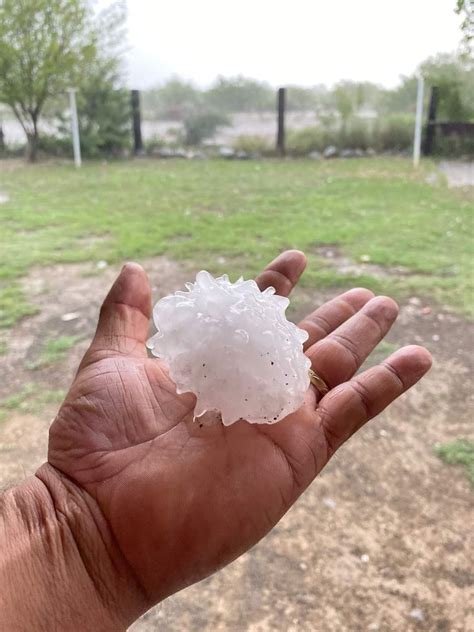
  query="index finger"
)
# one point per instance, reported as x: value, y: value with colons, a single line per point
x: 283, y: 272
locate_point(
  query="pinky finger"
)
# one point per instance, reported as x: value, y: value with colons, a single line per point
x: 349, y: 406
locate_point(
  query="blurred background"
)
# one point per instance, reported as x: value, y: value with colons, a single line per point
x: 214, y: 135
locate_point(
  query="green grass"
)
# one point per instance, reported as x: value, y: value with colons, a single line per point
x: 3, y: 347
x: 31, y: 398
x: 460, y: 452
x: 13, y: 305
x: 199, y: 211
x: 53, y: 351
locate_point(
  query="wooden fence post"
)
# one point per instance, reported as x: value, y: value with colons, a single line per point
x: 431, y: 124
x: 280, y: 143
x: 136, y: 122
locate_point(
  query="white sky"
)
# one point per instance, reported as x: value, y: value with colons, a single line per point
x: 285, y: 41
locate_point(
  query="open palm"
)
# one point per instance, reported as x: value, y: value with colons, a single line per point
x: 183, y: 499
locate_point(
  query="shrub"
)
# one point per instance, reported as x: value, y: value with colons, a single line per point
x: 254, y: 145
x: 59, y: 146
x: 394, y: 133
x: 202, y: 125
x: 453, y: 145
x: 302, y: 141
x: 357, y: 135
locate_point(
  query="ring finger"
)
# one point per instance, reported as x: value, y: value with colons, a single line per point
x: 338, y: 356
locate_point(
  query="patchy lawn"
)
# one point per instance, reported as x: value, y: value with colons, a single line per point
x: 230, y: 216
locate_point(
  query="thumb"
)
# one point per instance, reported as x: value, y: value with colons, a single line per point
x: 124, y: 317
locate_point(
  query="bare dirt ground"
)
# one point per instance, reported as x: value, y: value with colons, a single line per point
x: 381, y: 541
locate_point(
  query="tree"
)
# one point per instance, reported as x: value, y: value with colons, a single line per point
x: 175, y: 99
x: 466, y: 9
x: 44, y: 45
x: 103, y: 105
x: 239, y: 94
x: 344, y: 100
x: 454, y: 76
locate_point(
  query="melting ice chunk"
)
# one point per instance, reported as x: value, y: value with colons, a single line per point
x: 233, y: 347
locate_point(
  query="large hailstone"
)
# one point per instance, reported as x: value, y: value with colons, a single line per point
x: 233, y: 347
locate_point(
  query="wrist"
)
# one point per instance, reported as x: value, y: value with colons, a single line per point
x: 60, y: 567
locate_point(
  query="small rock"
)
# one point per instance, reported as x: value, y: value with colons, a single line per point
x: 315, y: 155
x: 374, y: 626
x: 383, y: 433
x: 221, y: 260
x: 303, y: 566
x: 329, y: 502
x: 226, y: 152
x: 414, y: 300
x: 365, y: 258
x: 417, y: 614
x: 426, y: 310
x: 101, y: 265
x: 435, y: 338
x: 347, y: 153
x: 364, y: 558
x: 330, y: 152
x: 3, y: 198
x: 70, y: 316
x: 196, y: 155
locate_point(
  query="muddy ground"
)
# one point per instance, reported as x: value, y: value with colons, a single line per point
x: 383, y: 540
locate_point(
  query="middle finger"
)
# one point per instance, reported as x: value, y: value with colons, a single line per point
x: 337, y: 357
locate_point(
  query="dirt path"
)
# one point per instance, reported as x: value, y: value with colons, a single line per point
x: 380, y: 542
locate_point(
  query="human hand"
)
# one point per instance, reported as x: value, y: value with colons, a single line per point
x: 180, y: 500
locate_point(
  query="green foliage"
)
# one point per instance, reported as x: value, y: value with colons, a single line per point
x: 238, y: 94
x: 465, y: 8
x: 454, y: 76
x: 258, y: 145
x: 44, y: 46
x: 47, y: 47
x: 454, y: 145
x: 357, y: 134
x: 200, y: 126
x: 104, y: 116
x: 400, y: 100
x: 174, y: 100
x: 389, y: 133
x: 303, y: 99
x: 53, y: 351
x: 302, y: 141
x: 460, y: 452
x: 345, y: 100
x: 393, y: 133
x: 55, y: 145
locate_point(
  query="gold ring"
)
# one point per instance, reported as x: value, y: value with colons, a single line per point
x: 318, y: 382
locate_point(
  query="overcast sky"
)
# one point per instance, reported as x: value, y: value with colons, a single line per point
x: 285, y: 41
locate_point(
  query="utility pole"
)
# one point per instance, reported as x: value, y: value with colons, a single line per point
x: 75, y: 127
x: 418, y: 122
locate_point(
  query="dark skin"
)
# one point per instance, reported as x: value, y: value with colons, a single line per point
x: 155, y: 501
